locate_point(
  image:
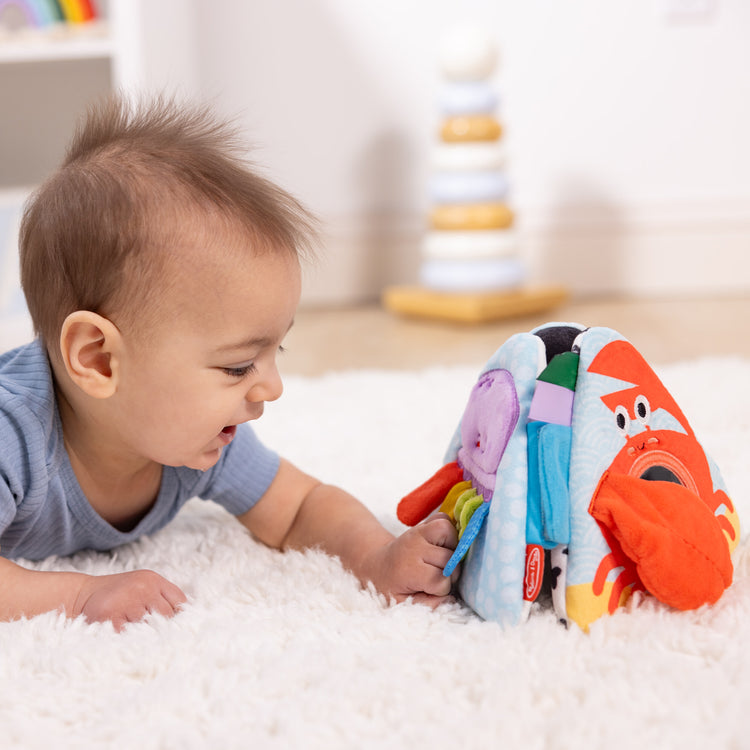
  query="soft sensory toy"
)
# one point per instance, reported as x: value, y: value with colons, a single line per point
x: 574, y: 471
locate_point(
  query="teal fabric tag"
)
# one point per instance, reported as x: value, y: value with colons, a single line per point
x: 554, y: 464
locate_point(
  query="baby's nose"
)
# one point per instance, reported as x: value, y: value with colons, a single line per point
x: 269, y: 388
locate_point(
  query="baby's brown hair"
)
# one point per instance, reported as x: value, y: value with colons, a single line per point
x: 95, y: 236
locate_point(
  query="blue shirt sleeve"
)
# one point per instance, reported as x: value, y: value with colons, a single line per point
x: 22, y: 452
x: 8, y: 492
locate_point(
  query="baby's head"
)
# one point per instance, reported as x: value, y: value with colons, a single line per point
x: 149, y: 196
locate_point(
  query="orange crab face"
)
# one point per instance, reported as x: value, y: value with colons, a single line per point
x: 656, y: 504
x: 657, y: 455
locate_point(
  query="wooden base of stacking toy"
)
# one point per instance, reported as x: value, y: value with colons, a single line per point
x: 475, y: 307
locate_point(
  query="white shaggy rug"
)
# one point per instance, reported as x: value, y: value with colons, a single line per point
x: 286, y: 651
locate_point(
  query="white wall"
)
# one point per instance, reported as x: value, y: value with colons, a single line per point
x: 627, y: 127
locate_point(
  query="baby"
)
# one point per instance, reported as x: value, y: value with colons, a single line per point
x: 162, y: 274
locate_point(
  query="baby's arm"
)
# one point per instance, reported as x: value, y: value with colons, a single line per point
x: 299, y: 512
x: 121, y: 598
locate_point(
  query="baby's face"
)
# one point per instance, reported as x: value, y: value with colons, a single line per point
x: 211, y: 363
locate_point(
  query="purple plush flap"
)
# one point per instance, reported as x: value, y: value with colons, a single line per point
x: 486, y: 427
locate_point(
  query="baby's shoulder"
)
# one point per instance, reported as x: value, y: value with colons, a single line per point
x: 27, y: 397
x: 26, y: 377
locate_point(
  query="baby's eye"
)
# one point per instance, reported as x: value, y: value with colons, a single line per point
x: 242, y: 371
x: 239, y: 372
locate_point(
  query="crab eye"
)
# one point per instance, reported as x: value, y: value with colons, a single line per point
x: 623, y: 419
x: 642, y: 410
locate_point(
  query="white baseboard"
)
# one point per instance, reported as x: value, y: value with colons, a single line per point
x: 657, y: 249
x: 669, y: 249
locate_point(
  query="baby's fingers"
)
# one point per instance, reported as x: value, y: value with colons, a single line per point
x: 169, y: 602
x: 431, y: 579
x: 174, y: 596
x: 440, y: 531
x: 437, y: 556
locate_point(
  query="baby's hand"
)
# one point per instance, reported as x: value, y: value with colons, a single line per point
x: 412, y: 564
x: 127, y: 597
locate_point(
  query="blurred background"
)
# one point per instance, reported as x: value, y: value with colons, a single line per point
x: 626, y: 126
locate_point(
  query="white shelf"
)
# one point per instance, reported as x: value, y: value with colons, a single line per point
x: 50, y: 75
x: 63, y: 44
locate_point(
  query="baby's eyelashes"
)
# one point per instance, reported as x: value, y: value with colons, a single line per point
x: 242, y: 371
x: 239, y: 372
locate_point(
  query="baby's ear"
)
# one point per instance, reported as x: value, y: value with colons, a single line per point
x: 90, y: 347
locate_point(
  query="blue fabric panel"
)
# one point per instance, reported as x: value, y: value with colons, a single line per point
x: 534, y: 534
x: 554, y: 462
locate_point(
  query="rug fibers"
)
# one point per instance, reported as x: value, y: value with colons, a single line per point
x: 286, y: 650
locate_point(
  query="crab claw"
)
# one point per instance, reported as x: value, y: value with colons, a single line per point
x: 676, y: 543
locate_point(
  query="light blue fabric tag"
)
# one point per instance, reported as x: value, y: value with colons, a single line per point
x: 554, y: 465
x: 472, y: 529
x: 548, y: 511
x: 534, y: 531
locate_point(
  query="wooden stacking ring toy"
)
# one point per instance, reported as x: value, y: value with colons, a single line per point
x: 472, y: 216
x: 470, y: 128
x: 468, y: 157
x: 457, y: 245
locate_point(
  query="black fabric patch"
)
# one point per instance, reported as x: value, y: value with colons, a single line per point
x: 558, y: 339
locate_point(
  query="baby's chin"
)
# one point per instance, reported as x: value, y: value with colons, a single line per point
x: 206, y: 461
x: 200, y: 462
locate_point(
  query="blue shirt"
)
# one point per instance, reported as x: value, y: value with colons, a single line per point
x: 43, y: 510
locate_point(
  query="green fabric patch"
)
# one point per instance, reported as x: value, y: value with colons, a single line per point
x: 562, y: 370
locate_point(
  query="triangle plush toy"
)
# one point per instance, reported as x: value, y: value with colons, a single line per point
x: 574, y: 471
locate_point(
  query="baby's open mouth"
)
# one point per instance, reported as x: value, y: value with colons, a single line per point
x: 228, y: 433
